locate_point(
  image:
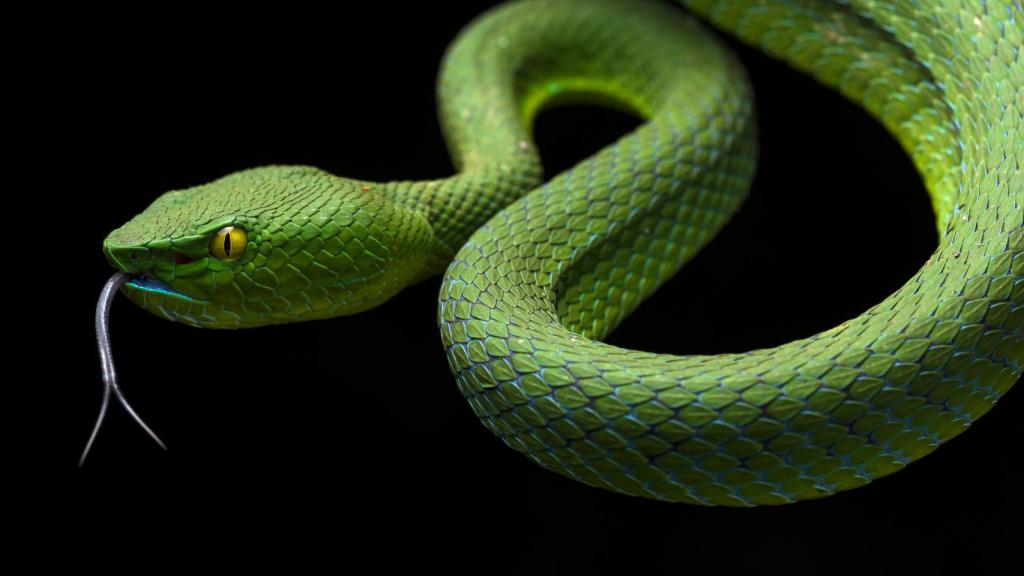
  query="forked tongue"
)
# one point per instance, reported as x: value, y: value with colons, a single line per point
x: 107, y: 363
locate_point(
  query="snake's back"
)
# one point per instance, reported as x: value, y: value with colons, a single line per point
x: 521, y: 311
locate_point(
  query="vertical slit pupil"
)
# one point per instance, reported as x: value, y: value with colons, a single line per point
x: 227, y: 243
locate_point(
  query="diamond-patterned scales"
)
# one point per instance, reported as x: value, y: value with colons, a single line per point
x: 567, y: 262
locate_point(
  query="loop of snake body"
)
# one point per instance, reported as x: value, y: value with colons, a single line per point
x: 535, y: 274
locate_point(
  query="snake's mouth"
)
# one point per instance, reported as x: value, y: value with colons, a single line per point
x: 150, y: 285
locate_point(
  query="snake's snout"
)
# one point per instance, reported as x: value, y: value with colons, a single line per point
x: 128, y: 259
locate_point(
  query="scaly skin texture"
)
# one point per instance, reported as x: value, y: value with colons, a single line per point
x: 536, y: 276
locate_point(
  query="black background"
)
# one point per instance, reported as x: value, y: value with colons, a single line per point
x: 345, y: 442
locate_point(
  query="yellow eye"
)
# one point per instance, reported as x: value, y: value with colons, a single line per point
x: 228, y: 243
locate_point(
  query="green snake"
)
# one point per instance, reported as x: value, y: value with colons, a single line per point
x: 535, y: 274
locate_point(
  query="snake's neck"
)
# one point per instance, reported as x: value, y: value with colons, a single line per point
x: 456, y: 206
x: 493, y: 82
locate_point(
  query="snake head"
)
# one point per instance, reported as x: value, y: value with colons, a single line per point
x: 269, y: 245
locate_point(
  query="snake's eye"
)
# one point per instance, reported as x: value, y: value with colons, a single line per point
x: 228, y: 243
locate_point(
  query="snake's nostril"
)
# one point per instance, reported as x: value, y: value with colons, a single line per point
x: 132, y: 260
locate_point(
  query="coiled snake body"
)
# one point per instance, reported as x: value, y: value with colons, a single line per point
x: 536, y: 274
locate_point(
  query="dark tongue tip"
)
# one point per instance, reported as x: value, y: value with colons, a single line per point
x: 110, y: 386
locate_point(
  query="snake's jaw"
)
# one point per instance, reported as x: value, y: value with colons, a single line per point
x: 157, y: 275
